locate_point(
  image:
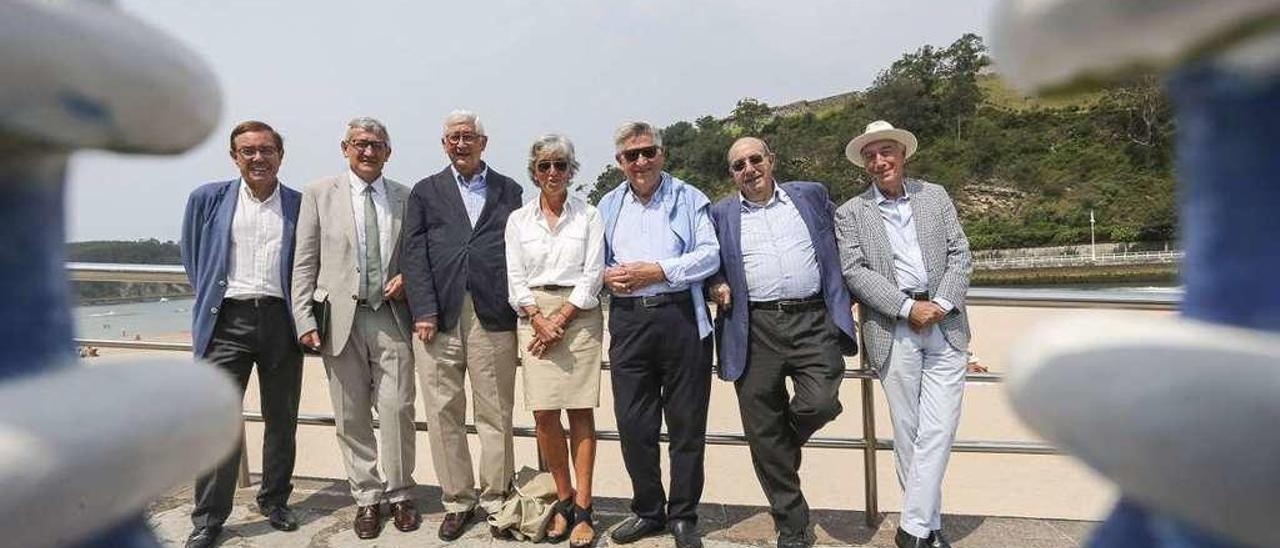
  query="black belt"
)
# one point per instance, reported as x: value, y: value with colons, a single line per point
x: 551, y: 287
x: 256, y: 302
x: 661, y: 299
x: 916, y: 295
x: 791, y: 306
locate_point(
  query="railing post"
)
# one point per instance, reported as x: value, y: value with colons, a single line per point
x: 870, y: 479
x: 243, y: 480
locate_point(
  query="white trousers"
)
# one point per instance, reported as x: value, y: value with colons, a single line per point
x: 924, y: 384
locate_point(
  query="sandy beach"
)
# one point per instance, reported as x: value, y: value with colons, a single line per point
x: 978, y: 484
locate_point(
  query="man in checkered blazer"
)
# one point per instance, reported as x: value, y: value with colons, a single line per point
x: 904, y: 256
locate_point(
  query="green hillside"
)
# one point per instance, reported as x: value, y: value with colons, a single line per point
x: 1024, y: 172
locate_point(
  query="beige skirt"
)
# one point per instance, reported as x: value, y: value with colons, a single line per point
x: 568, y: 375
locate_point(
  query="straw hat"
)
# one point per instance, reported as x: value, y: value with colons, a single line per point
x: 879, y: 130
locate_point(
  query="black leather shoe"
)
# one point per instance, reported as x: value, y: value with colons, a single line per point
x: 281, y: 518
x: 635, y: 528
x: 454, y: 525
x: 907, y: 540
x: 795, y: 540
x: 936, y: 540
x: 203, y: 537
x: 686, y: 533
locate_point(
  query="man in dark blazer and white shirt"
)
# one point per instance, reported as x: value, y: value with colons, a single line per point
x: 906, y: 259
x: 347, y: 259
x: 237, y: 249
x: 454, y: 265
x: 783, y: 313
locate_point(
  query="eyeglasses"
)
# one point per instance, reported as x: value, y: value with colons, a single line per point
x: 546, y: 165
x: 634, y: 154
x: 467, y: 138
x: 249, y: 152
x: 741, y: 163
x: 371, y: 146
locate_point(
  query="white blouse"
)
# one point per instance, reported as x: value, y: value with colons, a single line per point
x: 571, y: 255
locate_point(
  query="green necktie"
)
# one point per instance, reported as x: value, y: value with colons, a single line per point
x: 372, y: 252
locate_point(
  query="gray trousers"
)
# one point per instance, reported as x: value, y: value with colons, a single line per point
x: 924, y: 384
x: 374, y: 370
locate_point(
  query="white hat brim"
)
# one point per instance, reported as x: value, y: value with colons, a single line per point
x: 854, y: 149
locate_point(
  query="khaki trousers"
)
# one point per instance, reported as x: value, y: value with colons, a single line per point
x: 375, y: 369
x: 488, y: 359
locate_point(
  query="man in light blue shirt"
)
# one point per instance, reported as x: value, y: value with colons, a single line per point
x: 782, y: 313
x: 659, y: 247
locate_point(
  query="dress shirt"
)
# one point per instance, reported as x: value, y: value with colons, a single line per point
x: 643, y: 234
x: 383, y: 209
x: 473, y: 192
x: 257, y: 233
x: 908, y: 262
x: 777, y: 251
x: 570, y: 255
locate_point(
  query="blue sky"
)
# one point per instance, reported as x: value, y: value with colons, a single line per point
x: 578, y: 67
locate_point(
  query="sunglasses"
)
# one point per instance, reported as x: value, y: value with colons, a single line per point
x: 741, y: 164
x: 546, y: 165
x: 634, y: 154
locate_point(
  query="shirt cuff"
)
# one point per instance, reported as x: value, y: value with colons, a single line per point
x: 904, y: 311
x: 946, y: 305
x: 671, y: 270
x: 582, y: 298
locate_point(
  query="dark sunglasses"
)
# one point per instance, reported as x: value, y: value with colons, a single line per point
x: 634, y: 154
x: 546, y: 165
x: 741, y: 164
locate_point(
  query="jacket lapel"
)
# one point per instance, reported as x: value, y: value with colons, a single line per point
x: 340, y: 207
x: 227, y: 212
x: 882, y: 258
x: 491, y: 194
x: 447, y: 187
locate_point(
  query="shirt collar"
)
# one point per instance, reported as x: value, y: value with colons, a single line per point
x: 569, y: 208
x: 244, y: 188
x: 658, y: 195
x: 880, y: 198
x: 358, y: 184
x: 778, y: 197
x: 479, y: 178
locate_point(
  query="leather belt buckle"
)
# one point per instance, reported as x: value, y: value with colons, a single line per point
x: 653, y: 301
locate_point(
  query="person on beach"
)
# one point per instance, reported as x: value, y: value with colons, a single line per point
x: 237, y: 250
x: 659, y: 247
x: 555, y: 258
x: 906, y: 259
x: 783, y: 312
x: 454, y: 266
x: 347, y: 263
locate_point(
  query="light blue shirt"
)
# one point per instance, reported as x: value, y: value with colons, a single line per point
x: 777, y: 251
x: 473, y: 192
x: 646, y: 236
x: 908, y: 262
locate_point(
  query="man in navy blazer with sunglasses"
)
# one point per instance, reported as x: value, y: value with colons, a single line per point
x: 783, y: 311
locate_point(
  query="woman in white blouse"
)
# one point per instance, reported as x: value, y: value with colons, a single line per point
x: 555, y: 259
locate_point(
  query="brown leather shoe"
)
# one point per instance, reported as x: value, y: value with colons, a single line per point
x: 454, y: 525
x: 368, y: 521
x: 405, y: 515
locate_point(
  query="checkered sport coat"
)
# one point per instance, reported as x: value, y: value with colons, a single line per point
x: 866, y: 260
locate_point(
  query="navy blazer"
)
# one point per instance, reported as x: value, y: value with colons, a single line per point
x: 206, y: 251
x: 818, y: 212
x: 444, y: 257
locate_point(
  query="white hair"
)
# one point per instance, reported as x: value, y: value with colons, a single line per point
x: 463, y: 117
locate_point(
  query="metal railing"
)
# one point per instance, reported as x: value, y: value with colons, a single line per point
x: 869, y: 444
x: 1108, y: 259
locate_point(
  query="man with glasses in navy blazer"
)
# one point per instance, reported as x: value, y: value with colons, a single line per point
x: 783, y: 312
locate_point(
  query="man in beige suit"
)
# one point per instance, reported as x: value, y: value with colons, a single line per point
x: 348, y: 304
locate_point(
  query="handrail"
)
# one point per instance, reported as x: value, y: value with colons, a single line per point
x: 869, y: 443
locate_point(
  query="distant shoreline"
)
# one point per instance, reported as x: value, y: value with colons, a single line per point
x: 104, y: 301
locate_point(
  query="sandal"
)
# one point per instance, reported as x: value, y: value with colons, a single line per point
x: 563, y: 508
x: 582, y: 516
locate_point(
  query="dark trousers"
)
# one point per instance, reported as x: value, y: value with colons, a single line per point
x: 803, y: 346
x: 661, y: 369
x: 247, y: 333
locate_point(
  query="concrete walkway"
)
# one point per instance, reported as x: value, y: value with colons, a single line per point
x: 325, y: 510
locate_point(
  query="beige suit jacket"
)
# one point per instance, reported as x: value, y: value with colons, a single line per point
x: 326, y: 260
